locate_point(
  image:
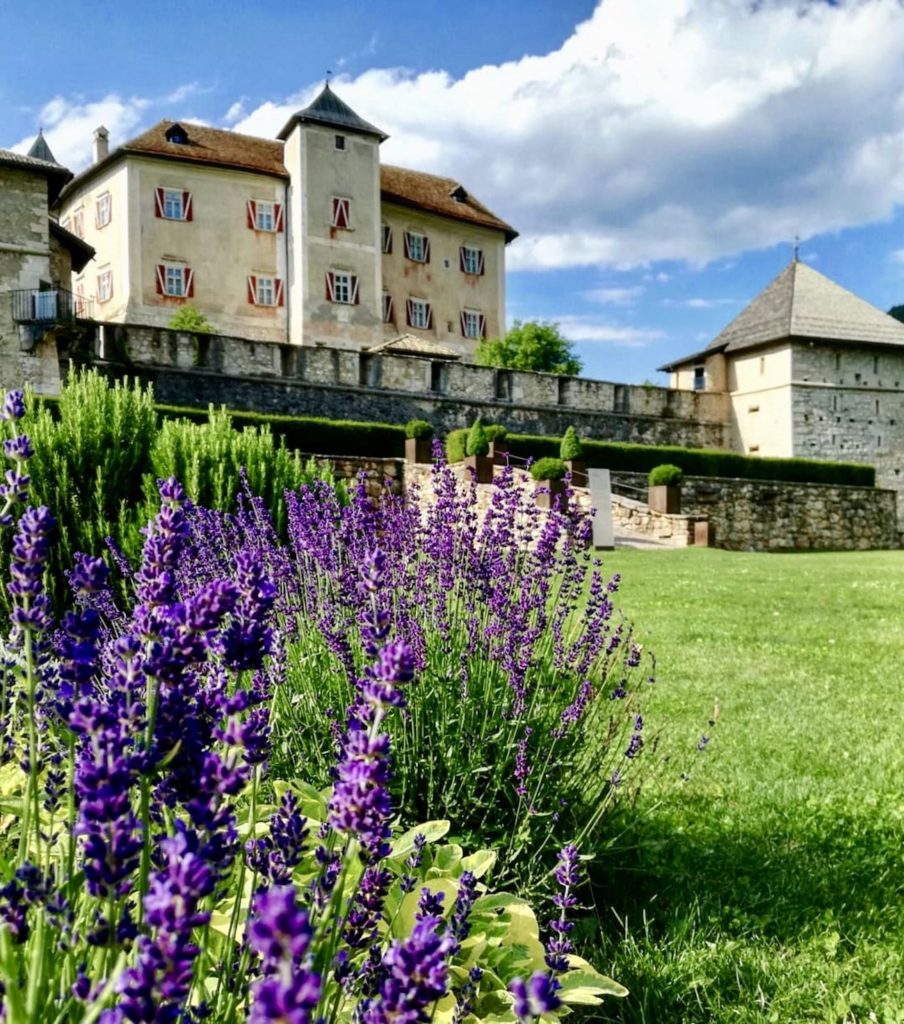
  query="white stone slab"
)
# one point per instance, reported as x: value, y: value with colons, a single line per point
x: 601, y: 500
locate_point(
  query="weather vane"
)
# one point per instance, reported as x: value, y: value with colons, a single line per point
x: 329, y: 75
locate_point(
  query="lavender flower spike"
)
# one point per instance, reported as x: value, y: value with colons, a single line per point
x: 534, y: 997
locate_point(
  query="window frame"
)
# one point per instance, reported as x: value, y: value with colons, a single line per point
x: 103, y: 211
x: 341, y: 213
x: 104, y: 285
x: 423, y: 246
x: 78, y: 222
x: 473, y: 317
x: 386, y: 239
x: 471, y: 260
x: 165, y: 200
x: 276, y: 283
x: 415, y: 305
x: 168, y: 271
x: 347, y: 281
x: 388, y: 308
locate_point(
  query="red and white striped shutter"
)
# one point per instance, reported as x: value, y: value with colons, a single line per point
x: 188, y: 282
x: 387, y: 309
x: 280, y: 297
x: 329, y: 285
x: 278, y: 216
x: 354, y: 289
x: 251, y: 211
x: 161, y: 279
x: 407, y: 238
x: 461, y: 262
x: 342, y: 212
x: 110, y: 278
x: 409, y: 307
x: 252, y: 289
x: 187, y: 213
x: 429, y: 317
x: 158, y: 202
x: 480, y: 261
x: 426, y: 249
x: 482, y: 326
x: 463, y: 321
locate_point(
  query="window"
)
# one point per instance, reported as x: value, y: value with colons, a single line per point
x: 473, y: 324
x: 386, y: 237
x: 387, y: 308
x: 438, y: 377
x: 103, y: 210
x: 175, y: 280
x: 81, y: 305
x: 105, y: 285
x: 699, y: 378
x: 265, y: 290
x: 78, y: 223
x: 340, y: 142
x: 341, y: 215
x: 172, y: 204
x: 417, y: 247
x: 420, y: 314
x: 342, y: 286
x: 263, y: 215
x: 471, y: 260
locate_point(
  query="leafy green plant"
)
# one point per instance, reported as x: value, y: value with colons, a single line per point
x: 190, y: 319
x: 548, y: 469
x: 571, y: 448
x: 665, y: 475
x: 478, y: 443
x: 495, y: 432
x: 532, y: 345
x: 456, y: 442
x: 418, y: 429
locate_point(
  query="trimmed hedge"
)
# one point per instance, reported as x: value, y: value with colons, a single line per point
x: 665, y: 475
x: 641, y: 458
x: 548, y: 468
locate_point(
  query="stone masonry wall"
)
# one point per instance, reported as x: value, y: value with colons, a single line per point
x: 637, y: 517
x: 760, y: 515
x: 265, y: 377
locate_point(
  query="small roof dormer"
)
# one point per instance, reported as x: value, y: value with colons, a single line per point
x: 176, y: 134
x: 330, y: 111
x: 40, y: 150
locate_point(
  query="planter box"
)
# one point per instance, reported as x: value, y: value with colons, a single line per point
x: 498, y: 452
x: 578, y: 472
x: 664, y: 499
x: 482, y: 465
x: 419, y: 449
x: 547, y: 498
x: 704, y: 534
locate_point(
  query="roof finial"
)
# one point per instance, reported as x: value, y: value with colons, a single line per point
x: 328, y: 76
x: 796, y: 249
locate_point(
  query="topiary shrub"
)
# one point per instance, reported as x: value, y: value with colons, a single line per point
x: 456, y: 441
x: 571, y: 448
x: 495, y: 432
x: 665, y: 475
x: 418, y: 429
x: 548, y: 469
x: 478, y: 443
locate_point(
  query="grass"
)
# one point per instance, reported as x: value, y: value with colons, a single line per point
x: 768, y: 886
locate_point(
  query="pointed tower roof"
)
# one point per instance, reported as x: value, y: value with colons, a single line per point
x: 327, y: 109
x: 40, y: 150
x: 802, y: 303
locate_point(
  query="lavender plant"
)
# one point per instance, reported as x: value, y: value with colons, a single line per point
x: 155, y: 868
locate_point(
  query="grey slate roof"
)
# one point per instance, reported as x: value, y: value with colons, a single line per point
x: 328, y: 109
x: 802, y: 303
x: 41, y: 151
x: 10, y: 159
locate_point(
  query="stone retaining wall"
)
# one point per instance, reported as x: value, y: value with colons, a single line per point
x: 762, y: 515
x: 637, y: 517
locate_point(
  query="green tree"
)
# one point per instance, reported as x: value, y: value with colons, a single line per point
x: 897, y: 312
x: 189, y: 318
x: 534, y: 345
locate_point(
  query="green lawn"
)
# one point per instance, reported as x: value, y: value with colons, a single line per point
x: 769, y: 885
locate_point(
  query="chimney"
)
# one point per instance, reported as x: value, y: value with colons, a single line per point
x: 101, y: 144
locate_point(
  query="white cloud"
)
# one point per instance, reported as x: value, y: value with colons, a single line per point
x: 587, y: 328
x: 614, y: 296
x: 700, y: 303
x: 897, y: 256
x: 662, y: 129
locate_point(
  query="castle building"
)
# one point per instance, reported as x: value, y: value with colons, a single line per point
x: 811, y: 371
x: 306, y: 239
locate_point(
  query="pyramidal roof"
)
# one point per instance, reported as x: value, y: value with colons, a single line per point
x: 802, y: 303
x: 40, y: 150
x: 328, y: 109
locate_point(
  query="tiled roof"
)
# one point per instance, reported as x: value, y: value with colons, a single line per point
x: 430, y: 192
x: 802, y: 303
x: 10, y: 159
x: 410, y: 345
x: 328, y: 109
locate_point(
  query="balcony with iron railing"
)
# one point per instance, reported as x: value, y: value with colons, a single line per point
x: 49, y: 307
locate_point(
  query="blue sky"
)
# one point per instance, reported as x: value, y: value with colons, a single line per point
x: 657, y: 156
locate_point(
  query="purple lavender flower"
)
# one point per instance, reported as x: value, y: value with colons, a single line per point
x: 30, y: 548
x: 275, y: 856
x: 459, y: 922
x: 429, y: 904
x: 13, y: 406
x: 360, y: 803
x: 567, y: 874
x: 535, y: 997
x: 247, y: 639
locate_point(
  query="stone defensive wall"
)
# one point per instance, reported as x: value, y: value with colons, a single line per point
x: 194, y: 370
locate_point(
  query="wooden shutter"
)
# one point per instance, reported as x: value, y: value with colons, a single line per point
x: 158, y: 202
x: 354, y: 289
x: 278, y: 217
x: 387, y: 308
x: 481, y: 326
x: 462, y: 264
x: 480, y: 262
x: 386, y: 232
x: 252, y: 289
x: 278, y: 288
x: 251, y: 212
x: 161, y: 279
x: 188, y: 282
x: 429, y: 317
x: 407, y: 240
x: 409, y: 313
x: 426, y: 249
x: 329, y: 285
x: 186, y: 206
x: 463, y: 321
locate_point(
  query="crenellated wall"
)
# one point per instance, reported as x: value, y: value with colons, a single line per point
x: 264, y: 377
